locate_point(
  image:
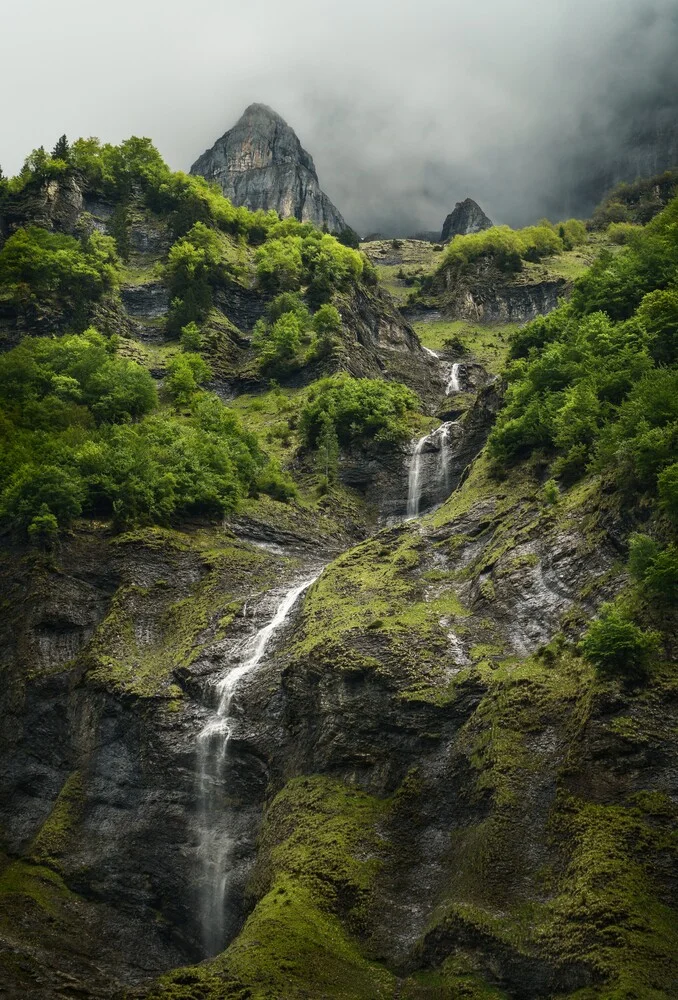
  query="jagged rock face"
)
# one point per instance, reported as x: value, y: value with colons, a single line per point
x: 481, y: 293
x: 467, y: 217
x: 261, y: 164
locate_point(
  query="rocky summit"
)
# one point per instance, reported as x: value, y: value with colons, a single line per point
x: 467, y: 217
x: 261, y: 164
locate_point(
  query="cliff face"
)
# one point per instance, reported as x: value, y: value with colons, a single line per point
x: 424, y: 791
x: 261, y: 164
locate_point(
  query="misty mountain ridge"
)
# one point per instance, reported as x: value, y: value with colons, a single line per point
x: 260, y: 163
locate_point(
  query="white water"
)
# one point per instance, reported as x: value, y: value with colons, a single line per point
x: 437, y: 446
x: 217, y: 841
x: 429, y: 351
x: 414, y: 477
x: 453, y: 384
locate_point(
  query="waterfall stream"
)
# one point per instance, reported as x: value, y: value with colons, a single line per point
x: 453, y: 384
x: 429, y: 467
x: 217, y: 842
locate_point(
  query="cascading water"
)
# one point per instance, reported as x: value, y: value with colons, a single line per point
x: 453, y: 384
x: 429, y: 467
x: 216, y: 842
x: 414, y: 478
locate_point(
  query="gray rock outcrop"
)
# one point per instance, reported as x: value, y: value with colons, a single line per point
x: 261, y: 164
x: 467, y: 217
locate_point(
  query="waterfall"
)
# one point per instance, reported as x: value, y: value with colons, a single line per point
x: 429, y: 351
x: 437, y: 445
x: 453, y: 385
x: 217, y: 839
x: 414, y: 478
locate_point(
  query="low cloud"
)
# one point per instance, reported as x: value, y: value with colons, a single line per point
x: 529, y: 107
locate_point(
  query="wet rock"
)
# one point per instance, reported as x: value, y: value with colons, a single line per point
x: 147, y: 301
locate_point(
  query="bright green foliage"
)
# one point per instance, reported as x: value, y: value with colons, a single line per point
x: 573, y: 232
x: 622, y: 232
x: 285, y: 339
x: 185, y: 372
x: 584, y: 383
x: 191, y: 338
x: 114, y: 170
x: 276, y: 483
x: 296, y: 255
x: 617, y: 284
x: 363, y: 411
x: 280, y: 350
x: 617, y: 647
x: 36, y: 490
x: 505, y: 245
x: 656, y: 569
x: 327, y: 326
x: 550, y: 492
x: 279, y: 264
x: 643, y: 439
x: 78, y: 436
x: 44, y: 528
x: 195, y: 265
x: 568, y: 390
x: 658, y: 315
x: 55, y: 382
x: 43, y: 272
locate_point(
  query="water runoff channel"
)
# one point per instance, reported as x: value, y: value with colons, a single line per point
x: 217, y: 845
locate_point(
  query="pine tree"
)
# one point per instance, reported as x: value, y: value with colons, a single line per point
x: 62, y: 150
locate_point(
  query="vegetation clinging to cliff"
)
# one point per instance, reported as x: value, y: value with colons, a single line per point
x: 82, y: 433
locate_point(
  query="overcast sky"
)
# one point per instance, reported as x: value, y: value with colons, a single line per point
x: 406, y: 107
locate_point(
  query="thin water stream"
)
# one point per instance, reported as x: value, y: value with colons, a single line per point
x: 218, y: 825
x: 217, y: 845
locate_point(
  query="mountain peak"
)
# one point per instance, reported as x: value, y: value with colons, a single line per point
x: 467, y: 217
x: 260, y: 163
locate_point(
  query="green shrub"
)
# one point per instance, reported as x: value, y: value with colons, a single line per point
x: 185, y: 373
x: 276, y: 483
x: 655, y: 568
x: 34, y: 492
x: 617, y: 647
x: 191, y: 337
x: 551, y: 492
x: 49, y: 273
x: 363, y: 411
x: 668, y: 492
x: 78, y: 435
x: 621, y: 232
x: 588, y: 383
x: 46, y: 377
x: 506, y: 246
x: 658, y: 316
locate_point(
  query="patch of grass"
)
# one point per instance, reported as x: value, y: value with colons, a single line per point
x: 485, y: 345
x: 54, y: 835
